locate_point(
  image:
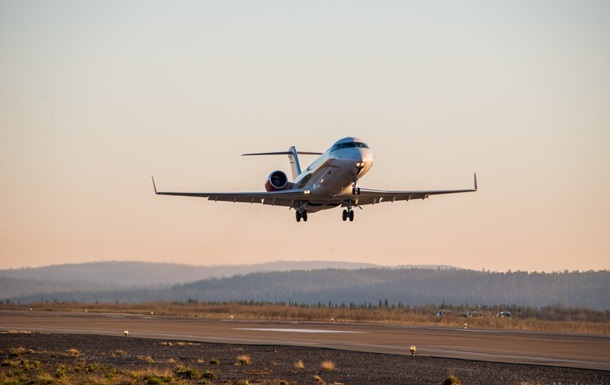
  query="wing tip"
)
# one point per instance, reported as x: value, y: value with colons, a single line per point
x: 154, y: 186
x: 476, y: 185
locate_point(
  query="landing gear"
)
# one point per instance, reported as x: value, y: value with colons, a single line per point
x: 355, y: 188
x: 301, y: 214
x: 349, y: 213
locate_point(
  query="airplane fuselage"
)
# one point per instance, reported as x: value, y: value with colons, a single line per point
x: 332, y: 177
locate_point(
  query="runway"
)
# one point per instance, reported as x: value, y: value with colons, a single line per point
x: 543, y: 348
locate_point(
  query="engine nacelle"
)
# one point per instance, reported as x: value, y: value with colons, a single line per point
x: 277, y: 181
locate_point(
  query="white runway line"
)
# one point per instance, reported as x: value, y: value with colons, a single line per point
x: 299, y: 330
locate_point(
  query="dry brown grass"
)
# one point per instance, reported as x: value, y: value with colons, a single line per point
x: 388, y: 315
x: 72, y: 352
x: 299, y: 364
x: 149, y: 375
x: 244, y: 360
x: 147, y: 359
x: 16, y: 352
x: 329, y: 366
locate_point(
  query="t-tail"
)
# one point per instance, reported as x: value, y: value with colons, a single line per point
x: 293, y: 156
x: 295, y: 166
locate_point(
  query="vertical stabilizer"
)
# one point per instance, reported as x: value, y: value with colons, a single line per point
x: 295, y: 167
x: 292, y: 156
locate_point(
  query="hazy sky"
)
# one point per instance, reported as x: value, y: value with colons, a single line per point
x: 96, y: 96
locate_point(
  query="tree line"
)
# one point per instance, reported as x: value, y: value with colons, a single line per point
x: 395, y: 287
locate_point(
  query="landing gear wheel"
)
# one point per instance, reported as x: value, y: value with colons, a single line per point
x: 301, y: 214
x: 351, y: 215
x: 345, y: 215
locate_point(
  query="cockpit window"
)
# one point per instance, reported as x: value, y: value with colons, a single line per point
x: 340, y: 146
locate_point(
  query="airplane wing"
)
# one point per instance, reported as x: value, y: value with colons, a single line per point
x: 274, y: 198
x: 371, y: 197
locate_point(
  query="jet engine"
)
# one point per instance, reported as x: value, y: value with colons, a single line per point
x: 277, y: 181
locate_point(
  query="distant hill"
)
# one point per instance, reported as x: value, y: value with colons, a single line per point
x: 115, y: 276
x: 17, y: 287
x: 131, y: 274
x: 409, y: 286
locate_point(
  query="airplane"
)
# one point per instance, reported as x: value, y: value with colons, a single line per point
x: 330, y: 181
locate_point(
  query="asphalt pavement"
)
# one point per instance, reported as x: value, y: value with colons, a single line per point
x: 589, y: 351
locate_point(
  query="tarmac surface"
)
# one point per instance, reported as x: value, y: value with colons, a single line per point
x: 573, y: 350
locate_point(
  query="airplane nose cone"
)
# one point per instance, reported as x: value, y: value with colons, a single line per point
x: 358, y: 159
x: 367, y: 156
x: 363, y: 161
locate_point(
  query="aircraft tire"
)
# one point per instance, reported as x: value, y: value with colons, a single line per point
x: 298, y: 216
x: 304, y: 215
x: 351, y: 215
x: 345, y: 215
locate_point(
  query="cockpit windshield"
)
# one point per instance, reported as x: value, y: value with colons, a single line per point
x: 339, y: 146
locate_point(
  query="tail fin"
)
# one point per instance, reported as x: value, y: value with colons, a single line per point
x: 292, y: 153
x: 295, y: 166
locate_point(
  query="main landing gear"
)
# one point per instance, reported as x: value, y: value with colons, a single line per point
x: 301, y: 214
x: 348, y: 213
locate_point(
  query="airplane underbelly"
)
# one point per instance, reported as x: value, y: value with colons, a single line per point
x: 334, y: 184
x: 331, y: 187
x: 312, y: 207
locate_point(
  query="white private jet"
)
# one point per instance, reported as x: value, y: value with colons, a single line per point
x: 330, y: 181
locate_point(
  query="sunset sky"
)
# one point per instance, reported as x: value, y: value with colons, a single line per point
x: 97, y: 96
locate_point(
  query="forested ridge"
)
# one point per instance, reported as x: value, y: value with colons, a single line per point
x: 408, y: 286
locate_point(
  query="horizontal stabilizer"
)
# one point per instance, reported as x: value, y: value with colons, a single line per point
x: 292, y: 155
x: 283, y: 153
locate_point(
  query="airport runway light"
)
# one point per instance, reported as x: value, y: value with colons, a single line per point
x: 413, y: 350
x: 126, y: 333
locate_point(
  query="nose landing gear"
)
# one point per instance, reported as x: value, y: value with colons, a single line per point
x: 355, y: 188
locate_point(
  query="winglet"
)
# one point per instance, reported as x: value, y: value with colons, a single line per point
x: 476, y: 187
x: 155, y: 187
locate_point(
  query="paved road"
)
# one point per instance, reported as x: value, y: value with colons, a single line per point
x: 545, y: 348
